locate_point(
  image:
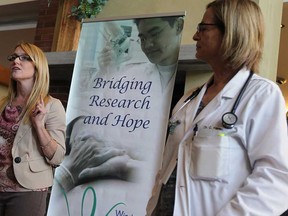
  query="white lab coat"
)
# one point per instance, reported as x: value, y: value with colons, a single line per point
x: 231, y: 172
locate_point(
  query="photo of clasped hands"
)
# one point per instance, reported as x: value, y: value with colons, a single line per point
x: 91, y: 158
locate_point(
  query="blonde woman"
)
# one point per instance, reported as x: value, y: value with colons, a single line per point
x: 230, y: 135
x: 32, y: 134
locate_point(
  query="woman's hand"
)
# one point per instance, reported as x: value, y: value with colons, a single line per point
x: 38, y: 114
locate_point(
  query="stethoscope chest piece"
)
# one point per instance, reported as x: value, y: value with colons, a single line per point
x: 229, y: 119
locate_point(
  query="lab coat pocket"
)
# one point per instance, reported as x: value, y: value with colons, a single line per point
x: 210, y: 158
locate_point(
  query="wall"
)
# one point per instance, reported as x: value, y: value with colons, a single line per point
x: 42, y: 36
x: 17, y: 23
x: 6, y: 2
x: 12, y: 37
x: 194, y: 10
x: 46, y: 24
x: 272, y: 11
x: 283, y: 53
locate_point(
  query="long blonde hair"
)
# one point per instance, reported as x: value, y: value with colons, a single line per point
x: 40, y: 87
x: 243, y: 39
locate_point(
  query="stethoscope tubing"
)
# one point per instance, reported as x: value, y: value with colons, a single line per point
x: 241, y: 92
x: 197, y: 91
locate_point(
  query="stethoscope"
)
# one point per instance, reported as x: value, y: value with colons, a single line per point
x: 229, y: 119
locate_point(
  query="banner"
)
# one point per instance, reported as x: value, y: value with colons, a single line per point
x: 117, y: 115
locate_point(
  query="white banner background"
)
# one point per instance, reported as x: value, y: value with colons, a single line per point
x: 125, y: 96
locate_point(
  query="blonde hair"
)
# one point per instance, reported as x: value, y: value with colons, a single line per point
x: 40, y: 88
x: 243, y: 39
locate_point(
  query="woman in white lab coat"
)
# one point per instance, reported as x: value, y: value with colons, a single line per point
x: 230, y: 135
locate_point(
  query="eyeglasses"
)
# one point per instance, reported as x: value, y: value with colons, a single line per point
x: 21, y: 57
x: 152, y: 36
x: 202, y: 26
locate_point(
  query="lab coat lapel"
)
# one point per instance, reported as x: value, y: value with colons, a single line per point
x: 191, y: 108
x: 230, y: 91
x: 209, y: 109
